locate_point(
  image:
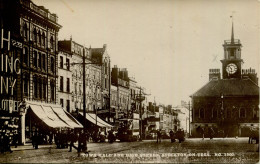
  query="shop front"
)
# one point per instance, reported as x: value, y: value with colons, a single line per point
x: 10, y: 91
x: 47, y: 119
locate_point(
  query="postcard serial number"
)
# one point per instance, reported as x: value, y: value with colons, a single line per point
x: 224, y: 154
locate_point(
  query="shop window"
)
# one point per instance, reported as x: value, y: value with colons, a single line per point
x: 61, y: 62
x: 242, y: 113
x: 61, y: 83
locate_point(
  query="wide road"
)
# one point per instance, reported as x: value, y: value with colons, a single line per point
x: 228, y: 150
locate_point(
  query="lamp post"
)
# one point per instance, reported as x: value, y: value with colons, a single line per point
x: 140, y: 98
x: 222, y: 109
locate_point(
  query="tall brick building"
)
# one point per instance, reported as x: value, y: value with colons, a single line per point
x: 229, y: 104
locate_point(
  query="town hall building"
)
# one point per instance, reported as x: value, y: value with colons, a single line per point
x: 229, y: 104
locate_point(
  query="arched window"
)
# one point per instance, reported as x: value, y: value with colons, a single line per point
x: 39, y: 39
x: 242, y: 112
x: 51, y: 42
x: 201, y: 113
x: 52, y: 64
x: 255, y: 112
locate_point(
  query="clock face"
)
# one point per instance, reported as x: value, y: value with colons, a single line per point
x: 231, y: 68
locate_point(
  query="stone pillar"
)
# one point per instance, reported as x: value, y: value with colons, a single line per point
x: 23, y: 128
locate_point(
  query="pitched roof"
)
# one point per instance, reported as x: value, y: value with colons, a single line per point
x: 228, y: 87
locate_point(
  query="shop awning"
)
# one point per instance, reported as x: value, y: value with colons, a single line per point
x: 47, y: 116
x: 92, y: 118
x: 53, y: 115
x: 71, y: 121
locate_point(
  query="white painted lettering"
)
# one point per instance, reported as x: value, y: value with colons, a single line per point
x: 5, y: 39
x: 4, y: 85
x: 16, y: 66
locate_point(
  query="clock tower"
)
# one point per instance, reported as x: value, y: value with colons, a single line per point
x: 231, y: 64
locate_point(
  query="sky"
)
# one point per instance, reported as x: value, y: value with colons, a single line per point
x: 168, y: 46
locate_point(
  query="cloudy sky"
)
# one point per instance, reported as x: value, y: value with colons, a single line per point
x: 168, y: 45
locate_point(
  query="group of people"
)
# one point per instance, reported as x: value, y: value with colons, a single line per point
x: 179, y: 134
x: 8, y: 139
x: 210, y: 131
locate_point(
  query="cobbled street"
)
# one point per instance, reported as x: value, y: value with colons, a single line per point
x: 228, y: 150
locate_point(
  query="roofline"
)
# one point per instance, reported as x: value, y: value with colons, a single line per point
x: 201, y: 88
x: 192, y: 95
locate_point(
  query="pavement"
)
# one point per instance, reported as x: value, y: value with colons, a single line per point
x: 218, y: 150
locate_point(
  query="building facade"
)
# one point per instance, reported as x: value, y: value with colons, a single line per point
x: 228, y: 105
x: 29, y: 35
x: 100, y: 55
x: 120, y: 79
x: 65, y: 79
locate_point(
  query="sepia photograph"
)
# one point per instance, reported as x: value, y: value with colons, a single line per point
x: 129, y: 81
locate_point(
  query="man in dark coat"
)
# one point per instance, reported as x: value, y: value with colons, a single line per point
x: 15, y: 139
x: 172, y: 136
x: 211, y: 133
x: 72, y: 137
x: 159, y: 135
x: 82, y: 146
x: 6, y: 142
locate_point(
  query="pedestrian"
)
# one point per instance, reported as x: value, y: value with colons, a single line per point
x: 82, y: 142
x: 172, y: 136
x: 7, y: 144
x: 50, y: 137
x: 33, y: 138
x: 72, y: 139
x: 2, y: 143
x: 57, y: 140
x: 37, y: 140
x: 159, y: 136
x: 211, y: 133
x: 15, y: 139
